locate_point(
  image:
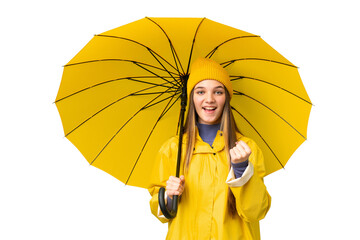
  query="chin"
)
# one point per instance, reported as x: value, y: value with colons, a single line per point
x: 209, y: 121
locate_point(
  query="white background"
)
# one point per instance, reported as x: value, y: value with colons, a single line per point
x: 49, y: 191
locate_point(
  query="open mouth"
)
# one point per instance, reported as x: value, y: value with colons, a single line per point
x: 209, y: 109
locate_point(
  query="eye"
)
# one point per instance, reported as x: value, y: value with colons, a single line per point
x: 219, y: 92
x: 200, y: 92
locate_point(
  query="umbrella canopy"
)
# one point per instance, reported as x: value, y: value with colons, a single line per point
x: 119, y: 98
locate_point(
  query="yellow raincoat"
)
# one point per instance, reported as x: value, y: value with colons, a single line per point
x: 202, y: 211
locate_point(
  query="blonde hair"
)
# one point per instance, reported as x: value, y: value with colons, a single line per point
x: 227, y: 126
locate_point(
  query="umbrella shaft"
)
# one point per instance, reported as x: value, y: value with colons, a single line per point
x: 182, y: 116
x: 182, y: 113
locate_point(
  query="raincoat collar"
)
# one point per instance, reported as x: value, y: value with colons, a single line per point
x: 203, y: 147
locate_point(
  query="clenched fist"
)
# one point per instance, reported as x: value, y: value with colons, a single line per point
x: 240, y: 153
x: 175, y: 186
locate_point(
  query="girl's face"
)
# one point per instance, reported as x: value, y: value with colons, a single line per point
x: 209, y: 100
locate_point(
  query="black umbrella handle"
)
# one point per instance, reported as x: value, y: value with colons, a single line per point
x: 168, y: 213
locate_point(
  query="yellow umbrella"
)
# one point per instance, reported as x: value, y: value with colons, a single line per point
x: 119, y: 97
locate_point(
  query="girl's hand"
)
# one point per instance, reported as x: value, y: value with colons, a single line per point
x: 240, y: 153
x: 175, y: 186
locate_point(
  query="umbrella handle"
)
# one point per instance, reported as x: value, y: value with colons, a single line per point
x: 169, y: 214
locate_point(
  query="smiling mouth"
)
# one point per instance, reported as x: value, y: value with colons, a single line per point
x: 209, y: 109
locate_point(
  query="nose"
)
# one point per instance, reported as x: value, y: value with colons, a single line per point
x: 209, y: 97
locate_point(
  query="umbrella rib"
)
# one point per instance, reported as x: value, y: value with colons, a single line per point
x: 211, y: 53
x: 227, y: 63
x: 161, y: 100
x: 166, y: 109
x: 125, y: 60
x: 112, y: 138
x: 145, y: 94
x: 114, y: 80
x: 177, y: 83
x: 155, y: 84
x: 166, y: 68
x: 148, y: 48
x: 170, y: 106
x: 259, y: 135
x: 274, y: 85
x: 107, y: 106
x: 243, y: 94
x: 116, y: 59
x: 193, y: 44
x: 173, y: 51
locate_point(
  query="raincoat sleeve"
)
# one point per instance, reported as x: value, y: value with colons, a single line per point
x: 252, y: 199
x: 164, y: 167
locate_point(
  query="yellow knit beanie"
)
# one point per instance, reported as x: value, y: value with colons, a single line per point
x: 207, y: 69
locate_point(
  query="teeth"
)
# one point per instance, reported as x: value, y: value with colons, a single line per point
x: 209, y: 108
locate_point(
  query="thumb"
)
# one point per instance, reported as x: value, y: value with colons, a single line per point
x: 182, y: 178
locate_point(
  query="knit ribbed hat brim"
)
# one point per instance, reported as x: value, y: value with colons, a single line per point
x: 208, y: 69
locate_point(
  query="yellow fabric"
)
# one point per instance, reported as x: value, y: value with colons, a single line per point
x: 202, y: 211
x: 208, y: 69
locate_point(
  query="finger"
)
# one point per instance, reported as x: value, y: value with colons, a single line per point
x: 182, y: 179
x: 242, y: 145
x: 174, y: 185
x: 239, y: 152
x: 232, y: 154
x: 174, y: 179
x: 171, y: 181
x: 245, y: 147
x: 172, y: 193
x: 172, y: 190
x: 181, y: 189
x: 171, y: 184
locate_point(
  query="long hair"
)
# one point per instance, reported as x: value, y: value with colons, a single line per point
x: 227, y: 126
